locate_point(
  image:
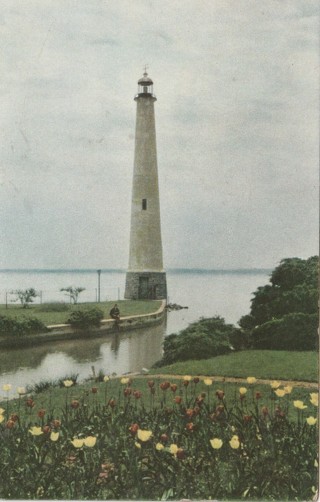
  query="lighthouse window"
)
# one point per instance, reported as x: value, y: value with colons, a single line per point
x: 144, y: 204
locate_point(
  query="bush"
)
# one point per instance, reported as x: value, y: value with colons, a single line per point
x: 292, y: 332
x: 86, y: 318
x: 200, y: 340
x: 20, y: 327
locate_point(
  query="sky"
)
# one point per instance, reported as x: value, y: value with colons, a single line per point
x: 236, y: 120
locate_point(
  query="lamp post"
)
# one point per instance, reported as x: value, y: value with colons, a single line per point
x: 99, y: 274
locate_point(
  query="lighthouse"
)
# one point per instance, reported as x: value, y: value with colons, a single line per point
x: 146, y: 277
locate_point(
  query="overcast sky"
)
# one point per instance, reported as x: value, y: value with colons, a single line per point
x: 236, y: 117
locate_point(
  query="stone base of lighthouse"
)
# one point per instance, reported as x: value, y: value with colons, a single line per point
x: 146, y: 286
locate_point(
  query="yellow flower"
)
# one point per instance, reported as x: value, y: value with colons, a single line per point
x: 187, y: 378
x: 78, y: 443
x: 280, y: 392
x: 1, y: 418
x: 68, y: 383
x: 314, y: 398
x: 299, y: 404
x: 216, y: 443
x: 124, y: 380
x: 234, y: 442
x: 6, y: 387
x: 21, y: 391
x: 137, y: 445
x: 106, y: 378
x: 251, y: 380
x: 144, y: 435
x: 54, y: 436
x: 36, y: 431
x: 287, y: 389
x: 208, y: 381
x: 311, y: 420
x: 275, y: 384
x: 159, y: 446
x: 243, y: 391
x: 2, y: 411
x: 173, y: 448
x: 90, y: 441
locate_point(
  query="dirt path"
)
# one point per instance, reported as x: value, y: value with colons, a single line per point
x: 294, y: 383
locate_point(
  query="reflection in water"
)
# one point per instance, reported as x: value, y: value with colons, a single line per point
x: 115, y: 353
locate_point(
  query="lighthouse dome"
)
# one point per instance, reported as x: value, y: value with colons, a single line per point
x: 145, y: 80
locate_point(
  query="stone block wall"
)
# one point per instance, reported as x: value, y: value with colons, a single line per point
x: 156, y: 288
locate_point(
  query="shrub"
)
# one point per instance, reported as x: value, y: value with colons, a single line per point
x: 86, y: 318
x: 200, y: 340
x: 292, y: 332
x: 20, y: 327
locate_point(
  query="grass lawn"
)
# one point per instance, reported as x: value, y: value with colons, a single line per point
x: 58, y: 313
x: 269, y: 364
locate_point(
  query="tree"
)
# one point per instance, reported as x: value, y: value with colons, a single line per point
x: 25, y: 296
x: 73, y: 293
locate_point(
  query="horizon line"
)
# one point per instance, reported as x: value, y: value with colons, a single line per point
x: 122, y: 270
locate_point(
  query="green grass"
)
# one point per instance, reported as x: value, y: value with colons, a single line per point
x: 270, y: 364
x: 127, y: 308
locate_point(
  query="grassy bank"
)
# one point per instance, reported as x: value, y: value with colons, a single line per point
x: 58, y: 313
x: 270, y: 364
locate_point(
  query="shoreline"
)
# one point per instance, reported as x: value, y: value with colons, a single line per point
x: 58, y: 332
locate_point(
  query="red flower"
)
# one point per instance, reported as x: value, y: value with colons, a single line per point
x: 220, y: 394
x: 164, y: 385
x: 14, y: 417
x: 134, y: 429
x: 190, y: 426
x: 264, y: 411
x: 46, y: 429
x: 174, y: 387
x: 41, y: 413
x: 55, y: 423
x: 180, y: 453
x: 258, y: 395
x: 127, y: 391
x: 169, y: 411
x: 137, y: 394
x: 30, y: 402
x: 151, y: 383
x: 112, y: 403
x: 247, y: 418
x: 196, y: 379
x: 186, y: 383
x: 164, y: 438
x: 10, y: 424
x: 75, y: 404
x: 199, y: 400
x: 189, y: 412
x: 94, y: 390
x: 178, y: 399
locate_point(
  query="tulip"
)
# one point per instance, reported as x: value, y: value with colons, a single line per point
x: 137, y: 394
x: 314, y: 398
x: 106, y: 378
x: 208, y: 381
x: 90, y: 441
x: 247, y: 418
x: 14, y: 417
x: 177, y: 399
x: 173, y: 387
x: 180, y: 453
x: 77, y: 443
x: 150, y: 384
x: 75, y: 404
x: 112, y: 403
x: 144, y: 435
x: 36, y: 431
x: 220, y: 394
x: 55, y: 423
x: 10, y: 424
x: 94, y: 390
x: 159, y: 446
x: 164, y: 438
x: 134, y: 429
x: 30, y: 403
x: 311, y: 420
x: 54, y: 436
x: 68, y: 383
x: 41, y: 413
x: 234, y: 442
x: 196, y: 380
x: 125, y: 381
x: 216, y: 443
x: 243, y: 391
x: 21, y: 391
x: 187, y: 378
x: 251, y: 380
x: 275, y: 384
x: 190, y: 426
x: 7, y: 387
x: 280, y: 392
x: 299, y: 404
x: 173, y: 449
x: 287, y: 389
x: 137, y: 445
x: 186, y: 383
x: 127, y: 391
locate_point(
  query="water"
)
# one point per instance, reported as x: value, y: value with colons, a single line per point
x: 204, y: 293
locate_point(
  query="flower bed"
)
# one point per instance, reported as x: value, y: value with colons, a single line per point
x: 134, y: 439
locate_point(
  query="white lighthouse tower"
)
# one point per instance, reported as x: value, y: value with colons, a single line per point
x: 145, y: 278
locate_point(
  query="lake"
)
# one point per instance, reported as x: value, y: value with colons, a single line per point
x: 205, y: 293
